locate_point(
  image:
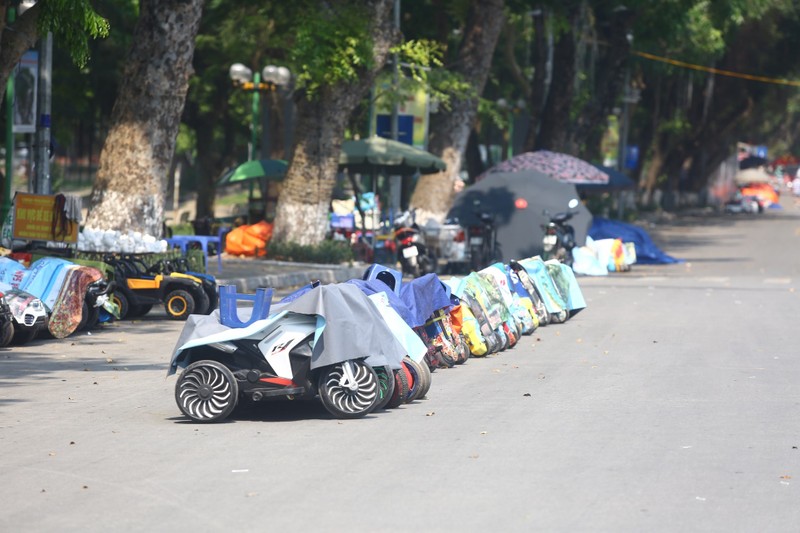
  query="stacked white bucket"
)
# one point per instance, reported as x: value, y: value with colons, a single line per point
x: 131, y: 242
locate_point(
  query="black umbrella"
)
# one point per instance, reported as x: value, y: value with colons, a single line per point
x: 518, y: 202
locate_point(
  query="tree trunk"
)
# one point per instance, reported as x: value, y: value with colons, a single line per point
x: 612, y: 28
x: 556, y: 113
x: 540, y: 83
x: 130, y: 185
x: 450, y: 130
x: 304, y: 203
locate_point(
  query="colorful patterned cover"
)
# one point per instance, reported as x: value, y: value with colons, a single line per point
x: 60, y: 285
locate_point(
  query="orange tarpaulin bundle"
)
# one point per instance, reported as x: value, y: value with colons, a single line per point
x: 249, y: 240
x: 763, y: 191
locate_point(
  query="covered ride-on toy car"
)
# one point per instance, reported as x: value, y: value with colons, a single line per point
x: 54, y: 293
x: 28, y: 313
x: 316, y: 344
x: 139, y: 288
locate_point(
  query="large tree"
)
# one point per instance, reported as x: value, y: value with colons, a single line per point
x: 691, y: 120
x: 339, y: 51
x: 129, y: 188
x: 218, y: 114
x: 450, y: 128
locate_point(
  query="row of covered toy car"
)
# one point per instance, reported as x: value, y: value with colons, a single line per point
x: 61, y: 296
x: 328, y: 341
x: 490, y: 309
x: 53, y: 294
x: 505, y: 301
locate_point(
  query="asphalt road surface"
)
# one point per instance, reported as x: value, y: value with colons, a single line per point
x: 670, y: 404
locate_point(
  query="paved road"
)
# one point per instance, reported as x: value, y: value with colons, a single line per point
x: 670, y: 404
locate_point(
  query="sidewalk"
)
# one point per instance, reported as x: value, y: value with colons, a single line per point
x: 249, y: 274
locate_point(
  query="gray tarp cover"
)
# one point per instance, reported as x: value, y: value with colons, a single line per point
x: 353, y: 329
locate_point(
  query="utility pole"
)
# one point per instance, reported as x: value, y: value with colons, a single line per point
x: 43, y: 184
x: 9, y: 177
x: 395, y: 182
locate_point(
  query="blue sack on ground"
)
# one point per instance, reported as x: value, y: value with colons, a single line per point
x: 647, y: 253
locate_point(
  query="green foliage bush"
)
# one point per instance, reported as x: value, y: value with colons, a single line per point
x: 331, y: 252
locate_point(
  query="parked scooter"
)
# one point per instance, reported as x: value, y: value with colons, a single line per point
x: 448, y: 243
x: 559, y: 237
x: 416, y: 259
x: 482, y: 239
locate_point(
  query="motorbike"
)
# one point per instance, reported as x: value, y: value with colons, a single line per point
x: 415, y: 258
x: 267, y: 357
x: 559, y: 237
x: 448, y: 243
x: 482, y: 240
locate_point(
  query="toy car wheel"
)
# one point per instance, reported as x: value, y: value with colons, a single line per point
x: 202, y: 304
x: 23, y: 335
x: 400, y: 389
x: 213, y: 298
x: 179, y: 304
x: 421, y: 379
x: 206, y: 391
x: 6, y: 333
x: 349, y: 396
x: 93, y: 319
x: 121, y: 301
x: 139, y: 310
x: 425, y: 378
x: 412, y: 373
x: 385, y: 386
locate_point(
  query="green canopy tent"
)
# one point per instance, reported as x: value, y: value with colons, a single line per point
x: 367, y: 156
x: 256, y: 171
x: 378, y: 155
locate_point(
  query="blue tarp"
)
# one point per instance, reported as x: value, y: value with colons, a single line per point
x: 370, y: 287
x: 647, y: 253
x: 423, y: 296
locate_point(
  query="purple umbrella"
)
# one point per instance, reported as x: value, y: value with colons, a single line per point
x: 561, y: 167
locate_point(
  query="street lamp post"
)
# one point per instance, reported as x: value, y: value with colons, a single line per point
x: 269, y: 79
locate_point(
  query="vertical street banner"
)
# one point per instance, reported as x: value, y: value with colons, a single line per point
x: 26, y: 84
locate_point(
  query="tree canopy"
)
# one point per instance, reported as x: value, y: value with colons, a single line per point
x: 558, y: 72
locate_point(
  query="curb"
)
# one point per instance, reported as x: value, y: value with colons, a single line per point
x: 309, y: 273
